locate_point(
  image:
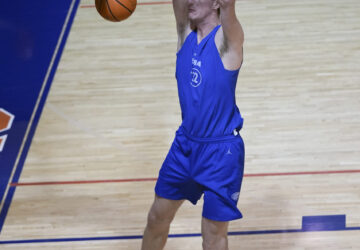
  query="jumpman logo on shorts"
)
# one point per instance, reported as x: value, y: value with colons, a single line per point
x: 229, y: 152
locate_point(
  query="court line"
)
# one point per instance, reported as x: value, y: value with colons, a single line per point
x: 131, y: 237
x: 16, y: 184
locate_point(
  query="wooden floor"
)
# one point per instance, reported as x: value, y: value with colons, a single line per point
x: 113, y: 111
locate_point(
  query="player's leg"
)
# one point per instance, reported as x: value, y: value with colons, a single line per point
x: 214, y: 234
x: 161, y: 214
x: 222, y: 182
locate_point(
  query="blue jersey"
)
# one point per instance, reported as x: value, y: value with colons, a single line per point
x: 206, y: 89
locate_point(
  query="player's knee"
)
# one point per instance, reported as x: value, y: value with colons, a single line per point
x: 158, y: 219
x: 214, y: 234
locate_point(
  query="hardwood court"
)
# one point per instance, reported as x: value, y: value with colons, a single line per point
x: 113, y: 111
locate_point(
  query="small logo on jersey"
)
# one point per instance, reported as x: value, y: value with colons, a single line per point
x: 196, y: 62
x: 196, y: 77
x: 229, y: 152
x: 235, y: 196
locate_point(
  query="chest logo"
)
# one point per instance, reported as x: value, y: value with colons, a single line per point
x: 196, y: 77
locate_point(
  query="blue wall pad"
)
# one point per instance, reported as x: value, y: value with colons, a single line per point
x: 323, y: 222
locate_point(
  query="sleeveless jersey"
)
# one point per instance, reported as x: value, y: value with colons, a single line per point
x: 206, y: 89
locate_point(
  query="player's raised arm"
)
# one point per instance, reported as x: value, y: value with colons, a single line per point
x: 233, y: 34
x: 182, y: 20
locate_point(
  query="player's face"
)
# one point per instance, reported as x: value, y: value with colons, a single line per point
x: 199, y: 9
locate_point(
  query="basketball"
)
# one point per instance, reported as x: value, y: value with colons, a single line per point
x: 115, y: 10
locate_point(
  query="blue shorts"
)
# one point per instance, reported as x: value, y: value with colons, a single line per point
x: 210, y: 166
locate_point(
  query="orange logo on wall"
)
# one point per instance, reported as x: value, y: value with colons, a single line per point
x: 6, y: 120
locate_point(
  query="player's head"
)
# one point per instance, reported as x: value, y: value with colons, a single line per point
x: 202, y: 9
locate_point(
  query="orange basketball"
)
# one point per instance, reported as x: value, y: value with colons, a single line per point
x: 115, y: 10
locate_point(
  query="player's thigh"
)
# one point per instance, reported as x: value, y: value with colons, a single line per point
x: 163, y: 210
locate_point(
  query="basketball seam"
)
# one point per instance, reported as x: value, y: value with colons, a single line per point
x: 123, y: 5
x: 101, y: 6
x: 107, y: 4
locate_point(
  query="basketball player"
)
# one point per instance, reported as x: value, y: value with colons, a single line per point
x: 207, y: 154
